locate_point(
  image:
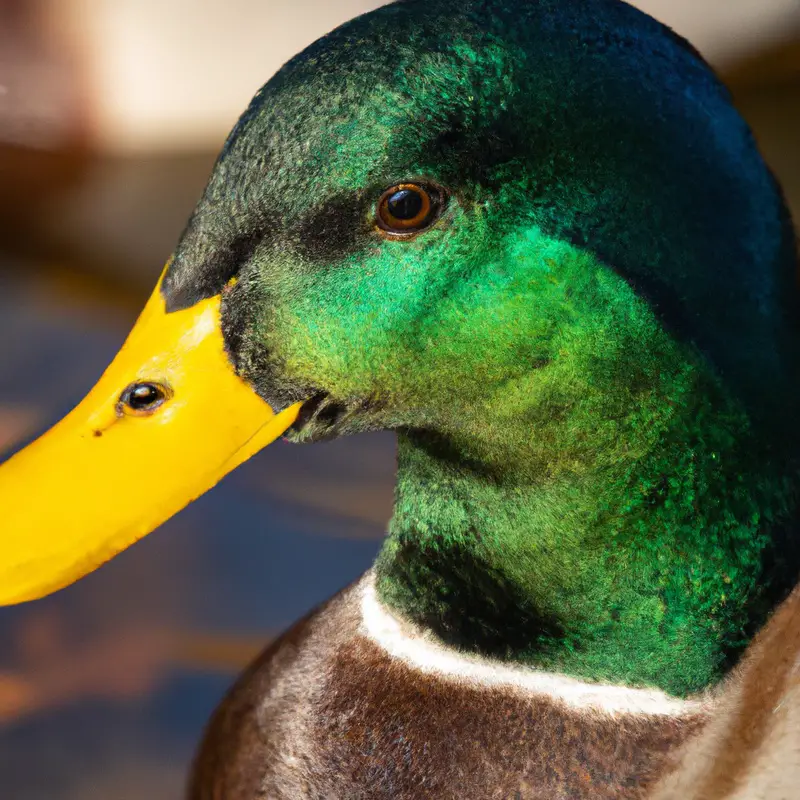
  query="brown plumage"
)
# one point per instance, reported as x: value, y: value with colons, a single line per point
x: 326, y: 712
x: 750, y: 750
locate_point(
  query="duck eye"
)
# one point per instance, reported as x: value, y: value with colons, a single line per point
x: 143, y: 398
x: 408, y: 208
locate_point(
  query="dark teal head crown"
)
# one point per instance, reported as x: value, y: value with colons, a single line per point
x: 587, y: 118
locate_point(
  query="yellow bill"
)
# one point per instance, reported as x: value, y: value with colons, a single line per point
x: 166, y: 421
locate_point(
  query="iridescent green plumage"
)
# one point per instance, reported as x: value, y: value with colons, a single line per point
x: 591, y: 358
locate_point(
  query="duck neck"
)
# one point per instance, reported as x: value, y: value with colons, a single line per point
x: 649, y: 562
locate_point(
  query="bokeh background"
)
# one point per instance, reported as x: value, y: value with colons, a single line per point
x: 111, y: 114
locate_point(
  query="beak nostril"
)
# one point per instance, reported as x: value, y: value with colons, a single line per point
x: 143, y: 397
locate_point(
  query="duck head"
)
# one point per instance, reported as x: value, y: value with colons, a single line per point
x: 536, y: 238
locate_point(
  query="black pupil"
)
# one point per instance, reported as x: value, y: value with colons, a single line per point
x: 144, y: 395
x: 405, y: 204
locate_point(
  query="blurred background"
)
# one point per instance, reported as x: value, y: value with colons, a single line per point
x: 111, y: 114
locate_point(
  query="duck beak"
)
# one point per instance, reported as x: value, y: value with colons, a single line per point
x: 166, y: 421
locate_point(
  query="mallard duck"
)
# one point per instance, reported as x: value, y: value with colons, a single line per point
x: 537, y: 241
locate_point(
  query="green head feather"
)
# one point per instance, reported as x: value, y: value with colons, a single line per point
x: 591, y: 356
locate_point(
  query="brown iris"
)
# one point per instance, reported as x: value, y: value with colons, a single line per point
x: 408, y: 208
